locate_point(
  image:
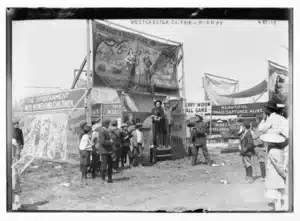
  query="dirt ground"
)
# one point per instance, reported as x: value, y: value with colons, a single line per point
x: 169, y: 185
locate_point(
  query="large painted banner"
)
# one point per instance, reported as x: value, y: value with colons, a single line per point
x: 132, y: 62
x: 278, y: 83
x: 54, y: 101
x: 240, y: 109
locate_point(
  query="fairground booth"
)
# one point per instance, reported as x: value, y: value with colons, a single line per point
x: 124, y: 72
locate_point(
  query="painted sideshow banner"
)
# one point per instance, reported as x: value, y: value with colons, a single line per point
x: 240, y: 109
x: 45, y: 135
x: 278, y: 83
x: 128, y: 61
x: 72, y: 152
x: 54, y: 101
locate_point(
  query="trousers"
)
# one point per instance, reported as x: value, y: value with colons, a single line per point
x: 106, y: 166
x: 195, y: 148
x: 159, y: 131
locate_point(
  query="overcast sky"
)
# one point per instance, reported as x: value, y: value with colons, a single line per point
x: 46, y: 52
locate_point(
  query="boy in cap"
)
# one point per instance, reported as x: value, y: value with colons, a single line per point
x: 137, y: 144
x: 106, y: 150
x: 247, y: 150
x: 85, y: 147
x: 125, y: 140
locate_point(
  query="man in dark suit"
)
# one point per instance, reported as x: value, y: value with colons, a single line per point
x: 105, y: 148
x: 198, y: 137
x: 247, y: 150
x: 18, y: 136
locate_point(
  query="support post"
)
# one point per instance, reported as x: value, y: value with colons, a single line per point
x: 89, y: 86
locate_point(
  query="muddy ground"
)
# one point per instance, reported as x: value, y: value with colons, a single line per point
x: 168, y: 185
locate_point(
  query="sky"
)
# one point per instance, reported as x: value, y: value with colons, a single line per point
x: 46, y: 52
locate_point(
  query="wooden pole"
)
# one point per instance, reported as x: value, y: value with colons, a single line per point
x: 184, y: 97
x: 210, y: 123
x: 268, y: 88
x: 89, y: 108
x: 221, y: 77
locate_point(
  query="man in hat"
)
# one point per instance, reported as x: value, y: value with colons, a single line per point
x: 158, y: 127
x: 198, y: 137
x: 105, y: 150
x: 247, y: 150
x: 168, y: 109
x: 114, y: 133
x: 18, y: 136
x: 137, y: 144
x: 125, y: 141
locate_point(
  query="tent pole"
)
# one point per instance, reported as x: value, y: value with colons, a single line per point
x: 268, y: 79
x: 183, y: 96
x: 89, y: 108
x: 221, y: 77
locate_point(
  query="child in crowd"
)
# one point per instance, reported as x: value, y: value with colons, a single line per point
x: 137, y: 144
x: 85, y: 147
x: 125, y: 141
x: 247, y: 150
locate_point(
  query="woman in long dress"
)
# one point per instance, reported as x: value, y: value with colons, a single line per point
x: 272, y: 123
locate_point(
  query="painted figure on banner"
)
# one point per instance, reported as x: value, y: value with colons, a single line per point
x: 124, y: 60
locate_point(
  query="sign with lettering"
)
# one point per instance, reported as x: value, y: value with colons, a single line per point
x: 54, y: 101
x: 200, y: 108
x: 112, y: 109
x: 241, y: 109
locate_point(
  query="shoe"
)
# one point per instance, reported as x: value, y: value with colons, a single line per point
x: 109, y: 181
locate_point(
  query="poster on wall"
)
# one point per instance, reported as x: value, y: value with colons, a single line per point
x: 131, y: 62
x: 278, y: 83
x: 45, y: 135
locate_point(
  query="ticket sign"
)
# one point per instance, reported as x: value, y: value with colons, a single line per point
x: 200, y: 108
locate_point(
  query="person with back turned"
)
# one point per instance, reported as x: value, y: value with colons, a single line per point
x: 247, y: 150
x: 198, y: 138
x: 114, y: 133
x: 106, y: 150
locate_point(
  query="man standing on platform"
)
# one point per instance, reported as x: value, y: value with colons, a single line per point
x: 168, y: 109
x: 106, y: 150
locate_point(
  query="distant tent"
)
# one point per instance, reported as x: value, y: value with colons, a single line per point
x: 256, y: 90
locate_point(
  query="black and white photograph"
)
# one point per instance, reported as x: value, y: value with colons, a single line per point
x: 150, y: 110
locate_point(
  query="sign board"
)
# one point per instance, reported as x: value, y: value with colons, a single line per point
x: 112, y: 109
x: 241, y: 109
x: 54, y: 101
x: 200, y: 108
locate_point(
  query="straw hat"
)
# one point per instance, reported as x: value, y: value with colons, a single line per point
x: 272, y: 137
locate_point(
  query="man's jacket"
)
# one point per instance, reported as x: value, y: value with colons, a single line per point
x: 105, y: 146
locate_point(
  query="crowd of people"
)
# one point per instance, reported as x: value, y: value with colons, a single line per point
x: 105, y: 148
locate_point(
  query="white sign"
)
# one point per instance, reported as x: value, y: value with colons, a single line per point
x: 200, y: 108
